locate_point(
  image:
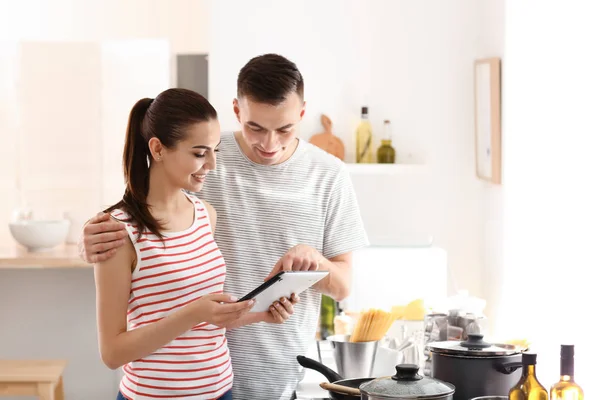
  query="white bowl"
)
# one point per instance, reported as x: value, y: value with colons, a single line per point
x: 40, y: 235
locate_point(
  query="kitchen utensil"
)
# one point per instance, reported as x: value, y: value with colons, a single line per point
x: 332, y: 387
x: 436, y: 327
x: 333, y: 377
x: 327, y: 140
x: 353, y: 360
x: 392, y: 352
x: 406, y: 384
x: 435, y: 330
x: 476, y: 368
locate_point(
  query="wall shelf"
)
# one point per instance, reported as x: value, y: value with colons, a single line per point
x: 385, y: 169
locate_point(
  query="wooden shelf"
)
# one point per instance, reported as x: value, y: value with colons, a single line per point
x: 385, y: 169
x: 15, y: 256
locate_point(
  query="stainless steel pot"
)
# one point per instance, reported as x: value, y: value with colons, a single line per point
x: 353, y: 360
x: 406, y: 384
x: 476, y: 368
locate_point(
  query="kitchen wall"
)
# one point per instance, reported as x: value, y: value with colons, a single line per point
x: 410, y: 62
x: 184, y: 22
x: 551, y: 209
x: 98, y: 83
x: 492, y: 43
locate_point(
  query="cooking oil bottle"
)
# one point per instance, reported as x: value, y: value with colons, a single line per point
x: 328, y: 313
x: 386, y: 153
x: 364, y: 138
x: 566, y: 388
x: 528, y: 387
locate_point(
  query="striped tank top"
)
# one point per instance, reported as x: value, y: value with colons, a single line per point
x: 189, y: 265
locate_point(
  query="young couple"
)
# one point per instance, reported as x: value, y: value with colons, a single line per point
x: 168, y: 271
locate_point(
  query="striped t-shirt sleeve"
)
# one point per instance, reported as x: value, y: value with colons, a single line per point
x: 344, y: 229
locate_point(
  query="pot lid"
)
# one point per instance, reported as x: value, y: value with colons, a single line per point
x: 474, y: 346
x: 407, y: 384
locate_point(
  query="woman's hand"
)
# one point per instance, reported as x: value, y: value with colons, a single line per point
x: 221, y: 309
x: 280, y: 311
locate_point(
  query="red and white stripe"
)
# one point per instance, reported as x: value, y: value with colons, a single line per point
x: 167, y: 277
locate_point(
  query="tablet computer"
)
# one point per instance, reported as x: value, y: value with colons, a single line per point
x: 284, y: 284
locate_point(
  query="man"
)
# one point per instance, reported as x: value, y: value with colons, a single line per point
x: 282, y: 204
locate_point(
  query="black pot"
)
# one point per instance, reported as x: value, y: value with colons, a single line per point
x: 333, y: 377
x: 476, y: 368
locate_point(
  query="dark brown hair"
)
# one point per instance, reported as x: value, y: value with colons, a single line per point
x: 269, y: 78
x: 167, y: 118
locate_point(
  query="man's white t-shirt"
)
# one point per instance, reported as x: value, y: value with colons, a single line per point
x: 263, y: 211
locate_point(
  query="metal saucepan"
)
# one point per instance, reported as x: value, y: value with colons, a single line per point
x: 475, y: 367
x: 334, y: 378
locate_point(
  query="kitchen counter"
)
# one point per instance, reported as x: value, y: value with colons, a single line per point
x: 64, y: 256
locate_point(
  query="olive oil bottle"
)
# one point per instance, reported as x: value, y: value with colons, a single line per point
x: 566, y: 388
x: 386, y: 153
x: 528, y: 387
x: 364, y: 138
x: 327, y: 317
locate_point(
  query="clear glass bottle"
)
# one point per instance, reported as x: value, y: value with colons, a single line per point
x: 386, y: 154
x: 566, y: 388
x: 364, y: 138
x: 528, y: 387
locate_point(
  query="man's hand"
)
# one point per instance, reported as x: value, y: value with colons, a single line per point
x: 101, y: 238
x: 298, y: 258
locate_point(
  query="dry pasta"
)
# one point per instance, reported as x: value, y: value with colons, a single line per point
x: 372, y: 325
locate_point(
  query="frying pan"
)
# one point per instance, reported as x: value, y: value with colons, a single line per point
x: 333, y: 377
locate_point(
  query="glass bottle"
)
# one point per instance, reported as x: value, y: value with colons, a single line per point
x: 566, y: 388
x: 386, y: 153
x: 327, y: 318
x: 528, y: 387
x: 364, y: 138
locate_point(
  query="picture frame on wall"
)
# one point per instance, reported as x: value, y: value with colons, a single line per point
x: 488, y: 143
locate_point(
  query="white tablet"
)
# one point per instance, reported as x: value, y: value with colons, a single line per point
x: 284, y: 284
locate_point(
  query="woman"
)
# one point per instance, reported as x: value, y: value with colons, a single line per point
x: 161, y: 309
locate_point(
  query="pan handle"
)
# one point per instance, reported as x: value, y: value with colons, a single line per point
x: 508, y: 367
x: 332, y: 387
x: 328, y: 373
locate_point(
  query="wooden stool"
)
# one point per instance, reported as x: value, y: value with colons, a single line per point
x: 42, y: 378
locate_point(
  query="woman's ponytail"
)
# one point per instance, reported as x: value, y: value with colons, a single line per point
x: 135, y: 153
x: 137, y: 171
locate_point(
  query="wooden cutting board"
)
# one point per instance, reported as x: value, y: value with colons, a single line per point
x: 327, y: 140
